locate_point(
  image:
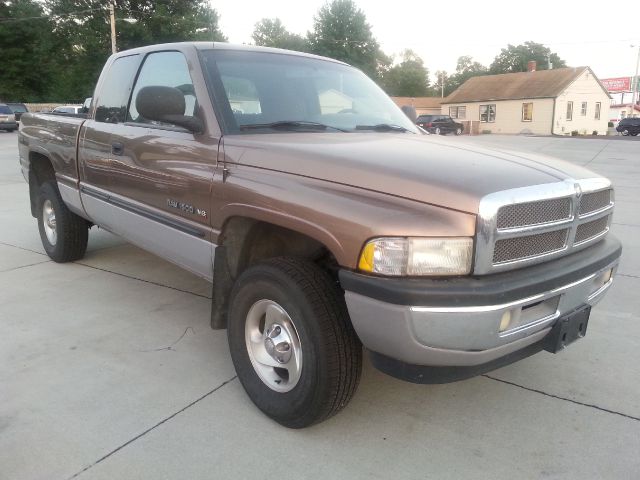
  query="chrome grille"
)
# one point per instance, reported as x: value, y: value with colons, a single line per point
x: 534, y: 213
x: 529, y: 225
x: 591, y: 202
x: 591, y: 229
x: 510, y: 249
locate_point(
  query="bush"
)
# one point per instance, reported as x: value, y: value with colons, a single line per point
x: 610, y: 124
x: 595, y: 132
x: 574, y: 133
x: 486, y: 131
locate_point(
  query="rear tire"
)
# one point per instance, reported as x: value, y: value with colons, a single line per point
x: 625, y: 132
x: 300, y: 307
x: 437, y: 131
x: 64, y: 234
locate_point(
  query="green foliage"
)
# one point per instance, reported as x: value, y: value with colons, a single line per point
x: 26, y: 50
x: 409, y: 78
x: 515, y: 58
x: 54, y: 50
x: 87, y: 36
x: 465, y: 69
x: 270, y: 32
x: 341, y: 31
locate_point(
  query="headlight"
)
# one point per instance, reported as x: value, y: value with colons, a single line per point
x: 417, y: 256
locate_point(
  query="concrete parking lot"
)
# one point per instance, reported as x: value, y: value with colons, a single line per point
x: 109, y: 370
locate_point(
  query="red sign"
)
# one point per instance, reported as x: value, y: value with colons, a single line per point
x: 617, y: 85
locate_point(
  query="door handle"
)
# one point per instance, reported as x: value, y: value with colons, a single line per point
x: 117, y: 148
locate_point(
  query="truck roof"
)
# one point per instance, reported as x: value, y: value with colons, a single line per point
x: 224, y: 46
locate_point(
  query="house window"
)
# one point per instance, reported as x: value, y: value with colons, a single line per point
x: 598, y: 107
x: 458, y: 112
x: 569, y: 110
x: 527, y: 112
x: 488, y: 113
x: 583, y: 109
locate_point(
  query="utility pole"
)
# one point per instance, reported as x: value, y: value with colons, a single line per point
x: 634, y: 86
x: 442, y: 83
x: 112, y: 14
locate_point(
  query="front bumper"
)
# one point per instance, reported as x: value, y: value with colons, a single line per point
x: 456, y: 322
x: 8, y: 125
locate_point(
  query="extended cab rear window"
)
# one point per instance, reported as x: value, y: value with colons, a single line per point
x: 115, y: 89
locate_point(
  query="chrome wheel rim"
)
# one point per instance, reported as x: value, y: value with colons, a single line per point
x: 49, y: 222
x: 437, y: 131
x: 273, y: 345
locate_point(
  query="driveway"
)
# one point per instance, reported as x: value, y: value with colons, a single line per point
x: 109, y: 370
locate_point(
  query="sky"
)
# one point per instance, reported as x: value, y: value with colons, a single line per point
x: 583, y: 34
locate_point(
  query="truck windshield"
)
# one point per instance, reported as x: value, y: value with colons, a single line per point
x: 264, y: 92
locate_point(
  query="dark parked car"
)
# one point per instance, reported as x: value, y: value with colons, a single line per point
x: 18, y: 109
x: 439, y: 124
x: 629, y: 126
x: 7, y: 119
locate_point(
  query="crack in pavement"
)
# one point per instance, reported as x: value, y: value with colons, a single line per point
x: 142, y: 280
x: 22, y: 248
x: 597, y: 154
x: 24, y: 266
x: 108, y: 271
x: 170, y: 347
x: 551, y: 395
x: 129, y: 442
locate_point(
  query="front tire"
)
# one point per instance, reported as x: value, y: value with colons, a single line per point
x: 292, y: 343
x: 625, y: 132
x: 64, y: 234
x: 458, y: 131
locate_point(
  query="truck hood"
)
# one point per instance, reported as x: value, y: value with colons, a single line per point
x: 425, y: 168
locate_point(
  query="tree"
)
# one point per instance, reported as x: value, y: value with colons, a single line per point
x: 270, y: 32
x: 26, y: 51
x: 83, y: 33
x: 465, y: 69
x: 341, y: 31
x: 409, y: 78
x: 515, y: 58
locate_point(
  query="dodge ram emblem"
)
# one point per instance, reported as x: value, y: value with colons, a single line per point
x: 578, y: 190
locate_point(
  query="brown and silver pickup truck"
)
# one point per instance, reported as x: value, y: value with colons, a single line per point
x: 326, y: 221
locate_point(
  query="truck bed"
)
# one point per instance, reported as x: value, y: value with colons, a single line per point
x: 53, y: 135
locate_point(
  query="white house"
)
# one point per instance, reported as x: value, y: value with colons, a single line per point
x: 541, y: 102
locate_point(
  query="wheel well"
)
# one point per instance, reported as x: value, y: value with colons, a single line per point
x: 246, y: 241
x: 40, y: 170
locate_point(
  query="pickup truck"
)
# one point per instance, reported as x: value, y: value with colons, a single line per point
x: 328, y: 223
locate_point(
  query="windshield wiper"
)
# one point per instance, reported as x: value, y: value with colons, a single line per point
x: 383, y: 127
x: 290, y: 125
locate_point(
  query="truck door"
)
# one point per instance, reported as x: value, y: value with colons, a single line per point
x: 94, y: 147
x: 161, y: 175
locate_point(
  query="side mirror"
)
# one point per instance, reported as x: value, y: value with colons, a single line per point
x: 166, y: 104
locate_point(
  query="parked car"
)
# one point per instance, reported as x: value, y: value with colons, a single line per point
x: 74, y: 109
x: 439, y: 124
x: 629, y: 126
x: 18, y: 109
x: 323, y: 231
x: 7, y: 118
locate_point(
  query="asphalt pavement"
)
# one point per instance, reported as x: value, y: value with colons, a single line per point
x: 109, y: 370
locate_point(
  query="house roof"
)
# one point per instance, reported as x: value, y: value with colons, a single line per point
x: 515, y: 86
x: 418, y: 102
